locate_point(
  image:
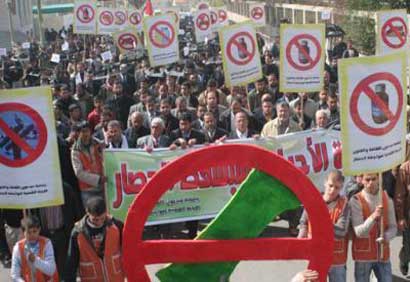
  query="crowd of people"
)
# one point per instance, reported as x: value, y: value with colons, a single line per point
x: 125, y: 103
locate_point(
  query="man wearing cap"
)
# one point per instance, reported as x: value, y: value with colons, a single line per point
x: 86, y: 157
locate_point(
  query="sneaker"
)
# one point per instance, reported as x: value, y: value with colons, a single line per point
x: 404, y: 268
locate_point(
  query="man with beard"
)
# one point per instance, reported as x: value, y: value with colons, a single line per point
x: 136, y: 130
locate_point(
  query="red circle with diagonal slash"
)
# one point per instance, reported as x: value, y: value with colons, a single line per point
x: 135, y: 18
x: 214, y: 17
x: 138, y: 252
x: 312, y: 61
x: 222, y: 15
x: 121, y: 17
x: 257, y: 13
x: 203, y: 22
x: 168, y: 39
x: 81, y: 10
x: 233, y: 42
x: 364, y: 87
x: 389, y: 26
x: 106, y: 18
x: 127, y: 41
x: 32, y: 153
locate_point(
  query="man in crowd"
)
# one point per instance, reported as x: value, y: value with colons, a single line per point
x: 86, y: 157
x: 95, y: 246
x: 33, y: 256
x: 370, y: 248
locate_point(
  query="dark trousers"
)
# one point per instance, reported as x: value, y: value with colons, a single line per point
x: 404, y: 254
x: 59, y: 239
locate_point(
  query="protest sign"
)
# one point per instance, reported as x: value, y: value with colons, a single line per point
x: 84, y: 17
x: 302, y: 57
x: 215, y: 26
x: 373, y: 112
x: 26, y: 45
x: 222, y: 16
x: 161, y: 35
x: 257, y: 14
x: 240, y: 54
x: 392, y: 31
x: 202, y: 24
x: 3, y: 52
x: 105, y: 23
x: 120, y: 19
x: 135, y: 19
x: 55, y: 58
x: 106, y: 56
x: 202, y: 195
x: 28, y: 145
x: 65, y: 46
x: 127, y: 40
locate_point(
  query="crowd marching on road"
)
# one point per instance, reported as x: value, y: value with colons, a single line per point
x: 125, y: 103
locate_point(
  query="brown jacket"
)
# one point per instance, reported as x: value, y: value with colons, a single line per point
x: 401, y: 192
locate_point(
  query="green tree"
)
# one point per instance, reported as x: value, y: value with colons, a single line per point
x: 361, y: 28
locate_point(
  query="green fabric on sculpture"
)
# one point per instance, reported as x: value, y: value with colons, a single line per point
x: 259, y: 199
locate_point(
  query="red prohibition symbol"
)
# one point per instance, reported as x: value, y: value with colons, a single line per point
x: 318, y: 249
x: 127, y: 41
x: 257, y: 13
x: 310, y: 62
x: 214, y: 17
x: 395, y: 27
x: 16, y: 138
x: 85, y: 13
x: 364, y: 88
x: 222, y: 15
x: 106, y: 18
x: 120, y: 18
x: 162, y: 34
x: 203, y: 22
x: 135, y: 18
x: 245, y: 52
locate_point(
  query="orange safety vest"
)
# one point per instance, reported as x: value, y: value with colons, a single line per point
x: 92, y: 267
x: 25, y: 269
x: 91, y: 163
x: 340, y: 246
x: 367, y: 249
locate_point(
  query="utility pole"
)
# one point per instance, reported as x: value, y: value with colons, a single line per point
x: 40, y: 22
x: 11, y: 27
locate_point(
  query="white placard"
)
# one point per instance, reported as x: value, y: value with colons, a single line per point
x: 392, y: 31
x: 106, y: 56
x: 202, y: 24
x: 161, y: 36
x: 85, y: 17
x: 302, y: 57
x: 26, y: 45
x: 3, y: 52
x: 373, y: 112
x: 240, y: 54
x: 55, y: 58
x: 65, y: 46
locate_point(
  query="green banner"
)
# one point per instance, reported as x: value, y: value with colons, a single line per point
x: 203, y: 194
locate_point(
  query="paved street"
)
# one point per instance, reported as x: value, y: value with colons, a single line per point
x: 269, y: 271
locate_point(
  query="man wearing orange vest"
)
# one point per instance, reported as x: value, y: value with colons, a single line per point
x: 86, y: 157
x: 33, y: 257
x: 95, y: 246
x: 339, y: 214
x: 370, y: 249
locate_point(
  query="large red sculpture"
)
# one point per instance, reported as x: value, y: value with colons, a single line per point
x: 137, y: 253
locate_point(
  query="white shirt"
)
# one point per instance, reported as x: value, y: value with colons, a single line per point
x: 241, y: 135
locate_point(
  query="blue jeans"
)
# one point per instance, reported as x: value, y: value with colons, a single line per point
x: 337, y: 273
x: 382, y: 270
